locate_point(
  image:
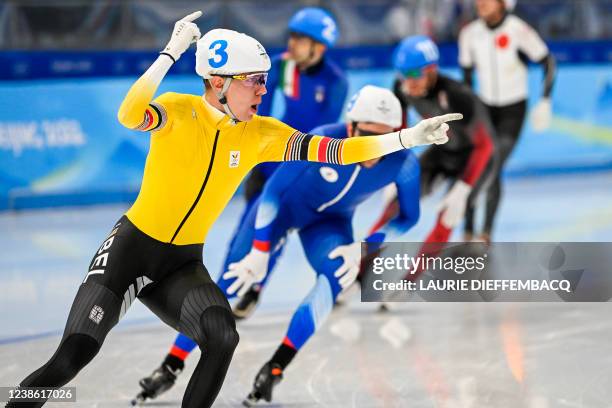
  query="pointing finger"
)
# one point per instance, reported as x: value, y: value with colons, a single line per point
x: 448, y: 117
x: 192, y: 16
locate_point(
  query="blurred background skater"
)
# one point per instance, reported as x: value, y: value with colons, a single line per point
x: 313, y: 90
x: 320, y: 202
x: 498, y: 46
x: 462, y: 161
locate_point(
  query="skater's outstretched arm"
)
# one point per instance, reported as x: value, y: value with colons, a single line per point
x: 279, y: 142
x: 137, y: 111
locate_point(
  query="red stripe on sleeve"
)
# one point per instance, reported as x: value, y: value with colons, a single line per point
x: 321, y: 154
x: 148, y: 119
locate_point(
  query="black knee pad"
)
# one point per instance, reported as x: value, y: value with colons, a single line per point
x: 206, y: 317
x: 219, y: 328
x: 94, y: 312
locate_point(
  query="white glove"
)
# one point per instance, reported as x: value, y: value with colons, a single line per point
x: 349, y: 270
x: 541, y: 115
x: 185, y: 32
x: 251, y: 269
x: 454, y: 203
x: 428, y: 131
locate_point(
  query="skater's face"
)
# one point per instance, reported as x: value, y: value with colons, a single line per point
x: 368, y: 129
x: 304, y: 50
x: 244, y: 93
x: 418, y: 86
x: 489, y: 10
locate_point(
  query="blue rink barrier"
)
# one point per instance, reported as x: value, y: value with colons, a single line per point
x: 16, y: 65
x: 61, y: 143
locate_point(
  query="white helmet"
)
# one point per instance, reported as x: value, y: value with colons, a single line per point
x: 376, y: 105
x: 228, y: 52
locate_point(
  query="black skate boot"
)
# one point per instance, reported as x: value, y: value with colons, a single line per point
x: 269, y: 375
x: 246, y: 306
x: 160, y: 381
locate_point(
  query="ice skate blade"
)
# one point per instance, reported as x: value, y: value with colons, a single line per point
x: 251, y: 400
x: 139, y: 400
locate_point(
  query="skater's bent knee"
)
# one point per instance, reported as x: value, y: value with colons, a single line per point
x: 219, y: 328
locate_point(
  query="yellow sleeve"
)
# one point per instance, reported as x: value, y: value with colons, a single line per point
x: 138, y: 112
x: 279, y: 142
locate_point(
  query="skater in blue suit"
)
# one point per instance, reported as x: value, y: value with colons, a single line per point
x: 319, y: 201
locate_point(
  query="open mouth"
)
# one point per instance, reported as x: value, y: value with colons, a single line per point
x: 254, y: 108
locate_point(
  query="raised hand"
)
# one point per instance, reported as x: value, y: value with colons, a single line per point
x: 184, y: 34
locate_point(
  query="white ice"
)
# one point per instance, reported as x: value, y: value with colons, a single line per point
x: 417, y: 355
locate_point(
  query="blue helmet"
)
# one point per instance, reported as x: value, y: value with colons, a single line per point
x: 315, y: 23
x: 415, y: 53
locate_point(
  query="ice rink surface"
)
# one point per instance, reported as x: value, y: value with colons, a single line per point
x: 417, y: 355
